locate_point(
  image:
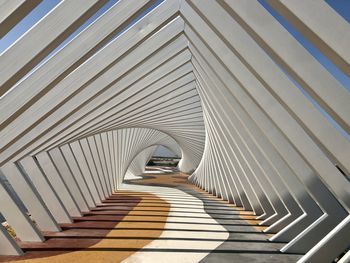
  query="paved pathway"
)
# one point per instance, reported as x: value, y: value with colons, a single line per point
x: 159, y: 218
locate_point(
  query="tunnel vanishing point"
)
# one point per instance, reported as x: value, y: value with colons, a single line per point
x: 239, y: 90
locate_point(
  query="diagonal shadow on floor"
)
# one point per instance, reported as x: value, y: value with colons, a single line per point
x: 250, y: 245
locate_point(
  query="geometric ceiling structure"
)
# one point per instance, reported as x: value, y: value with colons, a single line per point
x: 256, y: 118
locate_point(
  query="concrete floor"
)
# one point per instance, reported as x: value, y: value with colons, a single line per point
x: 159, y: 218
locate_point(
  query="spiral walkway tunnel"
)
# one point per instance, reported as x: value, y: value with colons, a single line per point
x: 252, y: 96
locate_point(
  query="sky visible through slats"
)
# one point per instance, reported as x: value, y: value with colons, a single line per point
x: 342, y: 7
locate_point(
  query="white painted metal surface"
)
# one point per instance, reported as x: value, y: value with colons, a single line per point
x: 216, y: 82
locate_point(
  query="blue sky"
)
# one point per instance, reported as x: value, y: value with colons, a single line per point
x: 342, y: 7
x: 43, y: 9
x: 162, y: 151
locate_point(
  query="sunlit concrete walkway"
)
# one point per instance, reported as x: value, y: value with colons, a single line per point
x: 159, y: 218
